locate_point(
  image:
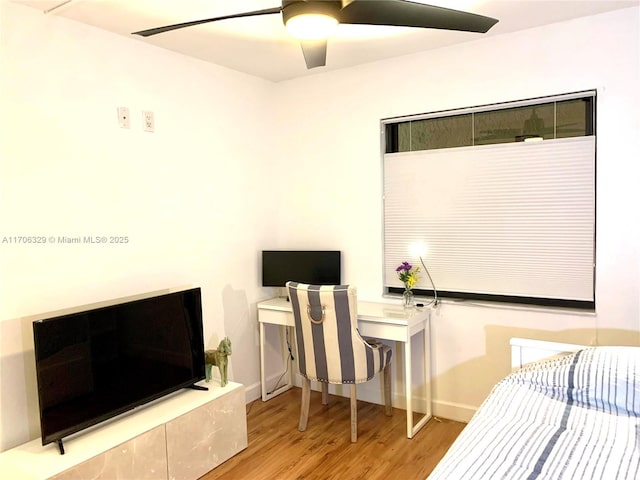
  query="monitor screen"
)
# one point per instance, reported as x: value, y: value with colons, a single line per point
x: 317, y: 267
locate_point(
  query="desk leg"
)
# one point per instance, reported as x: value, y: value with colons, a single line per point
x: 263, y: 379
x: 411, y: 428
x: 408, y: 386
x: 427, y: 369
x: 286, y: 361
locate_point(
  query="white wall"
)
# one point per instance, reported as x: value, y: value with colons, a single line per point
x: 333, y: 135
x: 218, y: 182
x: 190, y: 197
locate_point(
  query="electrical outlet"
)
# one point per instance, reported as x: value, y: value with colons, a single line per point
x: 148, y: 122
x: 123, y: 117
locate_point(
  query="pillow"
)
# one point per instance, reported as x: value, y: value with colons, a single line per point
x: 603, y: 378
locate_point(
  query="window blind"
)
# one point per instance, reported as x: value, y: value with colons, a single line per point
x: 515, y: 219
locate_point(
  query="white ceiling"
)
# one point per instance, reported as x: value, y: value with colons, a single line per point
x: 260, y: 45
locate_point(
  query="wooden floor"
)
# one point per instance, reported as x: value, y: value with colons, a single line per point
x: 277, y: 450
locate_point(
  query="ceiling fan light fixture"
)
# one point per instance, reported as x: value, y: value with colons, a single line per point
x: 311, y: 26
x: 311, y: 20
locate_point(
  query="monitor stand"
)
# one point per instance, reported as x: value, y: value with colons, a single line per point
x: 60, y: 446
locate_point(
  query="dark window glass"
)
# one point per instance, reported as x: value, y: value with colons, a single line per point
x: 444, y: 132
x: 514, y: 124
x: 561, y: 119
x: 574, y: 118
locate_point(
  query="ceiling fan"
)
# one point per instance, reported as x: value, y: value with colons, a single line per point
x: 312, y: 21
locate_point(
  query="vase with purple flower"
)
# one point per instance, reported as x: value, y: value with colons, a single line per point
x: 408, y: 275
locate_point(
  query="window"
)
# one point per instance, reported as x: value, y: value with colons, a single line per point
x: 502, y: 197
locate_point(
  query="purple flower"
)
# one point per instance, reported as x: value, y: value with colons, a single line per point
x: 404, y: 266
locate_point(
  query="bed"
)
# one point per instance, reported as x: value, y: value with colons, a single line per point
x: 575, y: 415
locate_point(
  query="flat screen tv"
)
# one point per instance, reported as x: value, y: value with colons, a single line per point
x: 317, y: 267
x: 97, y: 364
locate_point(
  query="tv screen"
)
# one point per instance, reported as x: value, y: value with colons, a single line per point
x: 96, y: 364
x: 317, y: 267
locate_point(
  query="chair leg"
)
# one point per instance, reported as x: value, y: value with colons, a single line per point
x: 325, y: 393
x: 386, y: 374
x: 304, y: 407
x: 354, y: 414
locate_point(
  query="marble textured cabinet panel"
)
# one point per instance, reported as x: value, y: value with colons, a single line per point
x: 142, y: 458
x: 202, y: 439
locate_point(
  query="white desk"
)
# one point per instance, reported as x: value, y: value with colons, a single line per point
x: 378, y: 320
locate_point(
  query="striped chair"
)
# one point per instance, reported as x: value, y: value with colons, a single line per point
x: 330, y: 349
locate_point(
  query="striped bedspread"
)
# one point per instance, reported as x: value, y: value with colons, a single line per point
x: 574, y: 417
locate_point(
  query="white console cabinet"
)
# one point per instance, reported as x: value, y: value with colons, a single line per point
x: 179, y: 437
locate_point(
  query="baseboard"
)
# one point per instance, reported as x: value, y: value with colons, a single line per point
x: 372, y: 393
x: 252, y: 392
x: 453, y: 411
x: 450, y: 410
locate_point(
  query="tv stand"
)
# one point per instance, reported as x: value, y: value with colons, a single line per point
x: 60, y: 446
x: 182, y: 436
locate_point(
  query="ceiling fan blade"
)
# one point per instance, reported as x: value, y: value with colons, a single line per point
x: 155, y: 31
x: 404, y: 13
x: 315, y: 52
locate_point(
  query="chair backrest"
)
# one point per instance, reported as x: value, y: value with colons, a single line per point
x: 330, y: 349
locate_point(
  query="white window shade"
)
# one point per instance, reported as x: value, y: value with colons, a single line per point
x: 514, y: 219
